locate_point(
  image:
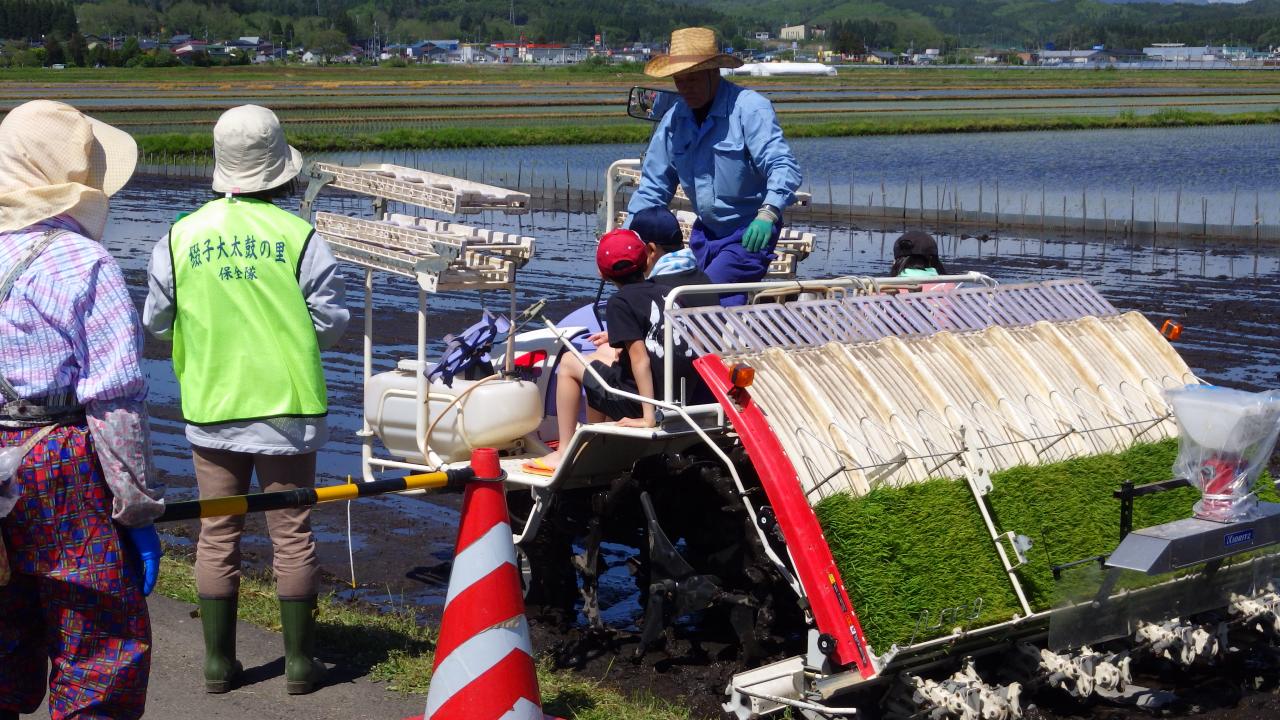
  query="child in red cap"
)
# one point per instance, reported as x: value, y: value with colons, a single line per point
x: 632, y: 360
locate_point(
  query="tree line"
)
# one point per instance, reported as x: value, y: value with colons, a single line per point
x: 36, y: 18
x: 331, y: 25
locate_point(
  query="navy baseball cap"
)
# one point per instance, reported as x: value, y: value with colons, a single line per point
x: 659, y: 226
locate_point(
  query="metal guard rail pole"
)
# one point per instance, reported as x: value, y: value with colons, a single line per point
x: 306, y: 497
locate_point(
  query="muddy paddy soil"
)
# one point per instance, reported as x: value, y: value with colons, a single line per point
x: 401, y: 546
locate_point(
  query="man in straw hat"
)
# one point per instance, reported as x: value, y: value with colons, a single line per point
x: 249, y: 294
x: 80, y: 549
x: 723, y: 145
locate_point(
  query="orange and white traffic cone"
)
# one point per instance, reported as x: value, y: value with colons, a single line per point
x: 484, y: 667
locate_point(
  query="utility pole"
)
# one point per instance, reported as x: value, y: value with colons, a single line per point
x: 513, y: 13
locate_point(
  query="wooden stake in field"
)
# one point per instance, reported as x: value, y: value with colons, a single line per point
x: 1177, y: 214
x: 1084, y: 211
x: 1133, y: 209
x: 1042, y: 218
x: 997, y: 203
x: 921, y: 198
x: 831, y: 216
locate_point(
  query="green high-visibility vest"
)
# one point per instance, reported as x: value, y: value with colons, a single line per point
x: 244, y: 347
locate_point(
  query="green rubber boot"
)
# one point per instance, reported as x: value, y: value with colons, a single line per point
x: 302, y: 672
x: 218, y: 620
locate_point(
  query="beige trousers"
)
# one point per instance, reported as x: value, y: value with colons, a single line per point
x: 220, y: 473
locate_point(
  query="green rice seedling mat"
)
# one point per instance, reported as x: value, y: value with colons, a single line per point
x: 917, y: 560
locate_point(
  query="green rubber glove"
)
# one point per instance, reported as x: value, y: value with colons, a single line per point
x: 757, y: 235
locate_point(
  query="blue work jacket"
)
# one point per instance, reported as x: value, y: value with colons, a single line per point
x: 729, y: 166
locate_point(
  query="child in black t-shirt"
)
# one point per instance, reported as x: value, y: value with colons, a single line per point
x: 630, y: 355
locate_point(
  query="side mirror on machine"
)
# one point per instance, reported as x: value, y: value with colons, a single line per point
x: 649, y: 103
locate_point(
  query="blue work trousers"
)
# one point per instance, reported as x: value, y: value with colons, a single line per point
x: 724, y: 260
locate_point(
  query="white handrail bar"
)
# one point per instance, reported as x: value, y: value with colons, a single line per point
x: 668, y: 343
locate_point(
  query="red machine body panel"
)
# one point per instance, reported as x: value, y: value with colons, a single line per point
x: 815, y: 567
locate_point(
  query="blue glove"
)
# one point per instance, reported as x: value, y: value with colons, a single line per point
x: 143, y: 546
x: 757, y: 235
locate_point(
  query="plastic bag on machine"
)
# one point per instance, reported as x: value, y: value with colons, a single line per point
x: 1225, y: 439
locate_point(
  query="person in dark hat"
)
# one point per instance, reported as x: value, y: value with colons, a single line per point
x: 915, y: 254
x: 669, y: 262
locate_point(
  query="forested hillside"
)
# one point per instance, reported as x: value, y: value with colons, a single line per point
x: 890, y: 24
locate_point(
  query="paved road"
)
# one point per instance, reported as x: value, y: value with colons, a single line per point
x: 177, y: 688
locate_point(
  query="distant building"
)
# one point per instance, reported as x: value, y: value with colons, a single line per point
x: 552, y: 53
x: 794, y: 32
x: 880, y: 57
x: 476, y: 53
x: 540, y: 53
x: 1095, y: 56
x: 1072, y: 57
x: 1177, y: 52
x: 762, y: 35
x: 188, y: 47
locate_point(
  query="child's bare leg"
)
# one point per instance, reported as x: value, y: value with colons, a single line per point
x: 568, y: 398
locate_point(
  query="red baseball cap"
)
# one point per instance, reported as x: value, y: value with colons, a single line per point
x: 620, y: 253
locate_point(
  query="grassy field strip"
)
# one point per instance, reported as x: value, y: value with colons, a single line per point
x: 397, y: 650
x: 453, y: 137
x: 390, y: 122
x: 292, y: 105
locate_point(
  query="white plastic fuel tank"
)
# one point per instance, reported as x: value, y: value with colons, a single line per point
x: 493, y: 414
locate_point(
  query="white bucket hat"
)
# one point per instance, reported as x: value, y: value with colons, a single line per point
x: 250, y: 152
x: 58, y: 161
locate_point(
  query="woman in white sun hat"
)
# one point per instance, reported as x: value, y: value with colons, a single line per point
x: 249, y: 295
x: 80, y: 549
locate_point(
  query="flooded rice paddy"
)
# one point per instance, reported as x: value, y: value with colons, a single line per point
x: 1221, y: 174
x: 1225, y: 294
x: 368, y: 106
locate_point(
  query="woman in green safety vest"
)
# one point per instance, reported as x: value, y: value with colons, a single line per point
x: 249, y: 294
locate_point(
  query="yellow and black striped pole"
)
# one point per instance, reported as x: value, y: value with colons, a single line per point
x: 306, y: 497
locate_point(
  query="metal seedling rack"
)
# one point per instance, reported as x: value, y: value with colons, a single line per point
x: 439, y: 255
x: 418, y: 187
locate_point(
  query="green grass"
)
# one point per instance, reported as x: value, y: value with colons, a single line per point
x: 1169, y: 117
x: 394, y: 648
x: 923, y: 548
x: 440, y: 138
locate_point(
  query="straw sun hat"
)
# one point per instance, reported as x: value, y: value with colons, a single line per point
x: 55, y: 160
x: 692, y: 49
x: 250, y: 152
